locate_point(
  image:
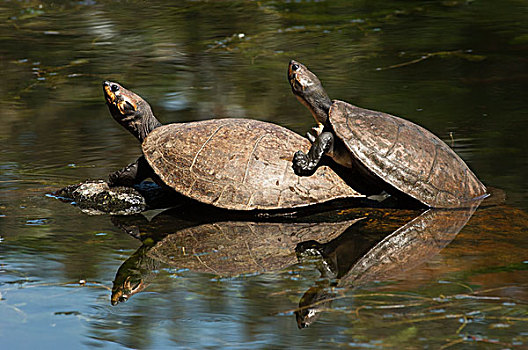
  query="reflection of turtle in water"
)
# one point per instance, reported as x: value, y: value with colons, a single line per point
x: 237, y: 164
x: 223, y: 248
x: 404, y: 249
x: 133, y: 275
x: 387, y: 153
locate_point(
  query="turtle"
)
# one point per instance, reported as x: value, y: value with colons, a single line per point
x: 221, y: 248
x: 388, y: 153
x: 231, y: 163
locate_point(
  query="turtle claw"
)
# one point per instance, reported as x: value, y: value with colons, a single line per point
x: 122, y: 177
x: 113, y: 179
x: 310, y: 137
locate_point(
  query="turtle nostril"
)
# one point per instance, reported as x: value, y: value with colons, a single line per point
x: 114, y: 87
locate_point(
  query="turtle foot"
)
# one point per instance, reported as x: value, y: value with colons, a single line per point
x: 120, y: 178
x: 302, y: 165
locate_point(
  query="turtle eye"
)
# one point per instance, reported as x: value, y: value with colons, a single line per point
x: 114, y: 87
x: 295, y: 66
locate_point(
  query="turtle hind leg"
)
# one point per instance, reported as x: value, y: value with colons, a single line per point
x: 305, y: 164
x: 132, y: 174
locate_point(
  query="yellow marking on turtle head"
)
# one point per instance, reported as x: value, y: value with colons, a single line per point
x: 110, y: 95
x: 122, y: 105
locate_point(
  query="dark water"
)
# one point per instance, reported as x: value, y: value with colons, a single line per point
x: 457, y: 68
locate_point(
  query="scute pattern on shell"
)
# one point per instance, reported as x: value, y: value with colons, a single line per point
x: 406, y: 156
x: 238, y: 164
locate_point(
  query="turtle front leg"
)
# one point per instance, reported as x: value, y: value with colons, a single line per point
x: 132, y: 174
x: 305, y: 164
x: 314, y: 132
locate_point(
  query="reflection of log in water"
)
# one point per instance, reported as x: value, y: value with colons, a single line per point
x: 227, y: 248
x: 406, y: 248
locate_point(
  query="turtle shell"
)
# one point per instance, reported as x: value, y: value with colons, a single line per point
x: 238, y: 164
x: 406, y: 156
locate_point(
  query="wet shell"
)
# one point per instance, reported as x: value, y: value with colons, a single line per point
x: 406, y: 156
x: 238, y: 164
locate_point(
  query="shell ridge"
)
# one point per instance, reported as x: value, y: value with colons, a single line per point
x: 466, y: 182
x: 248, y: 204
x: 350, y: 112
x: 189, y: 189
x: 163, y: 156
x: 391, y: 148
x: 433, y: 165
x: 217, y: 199
x: 246, y: 171
x: 279, y: 200
x: 203, y: 146
x: 153, y: 145
x: 285, y: 173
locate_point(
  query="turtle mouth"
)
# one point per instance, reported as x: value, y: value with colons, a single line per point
x: 118, y: 298
x: 109, y: 95
x: 296, y: 76
x: 110, y: 90
x: 295, y: 83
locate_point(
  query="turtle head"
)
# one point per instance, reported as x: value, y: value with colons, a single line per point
x: 121, y: 292
x: 129, y: 110
x: 309, y: 91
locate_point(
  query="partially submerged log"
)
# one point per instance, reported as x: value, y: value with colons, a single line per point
x: 96, y: 197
